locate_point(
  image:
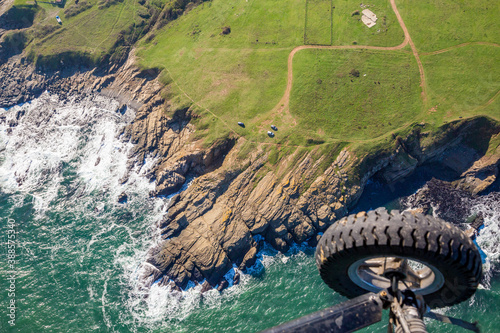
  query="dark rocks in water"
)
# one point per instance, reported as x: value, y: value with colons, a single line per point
x: 151, y: 274
x: 19, y: 114
x: 174, y: 287
x: 448, y: 202
x: 205, y: 287
x: 478, y: 221
x: 123, y: 179
x: 97, y: 161
x: 222, y: 285
x: 236, y: 279
x: 122, y: 198
x: 249, y: 258
x: 122, y: 109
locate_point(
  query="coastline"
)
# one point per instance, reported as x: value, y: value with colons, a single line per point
x: 210, y: 227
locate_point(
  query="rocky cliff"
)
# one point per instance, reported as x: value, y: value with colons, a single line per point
x: 241, y: 194
x: 213, y: 224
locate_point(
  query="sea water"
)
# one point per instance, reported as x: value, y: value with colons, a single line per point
x: 79, y: 252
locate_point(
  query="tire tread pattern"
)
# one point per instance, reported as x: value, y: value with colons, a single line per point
x: 421, y: 237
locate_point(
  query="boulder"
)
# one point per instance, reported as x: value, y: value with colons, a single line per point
x: 249, y: 258
x: 122, y: 198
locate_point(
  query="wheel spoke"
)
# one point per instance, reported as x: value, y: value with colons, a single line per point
x: 417, y: 275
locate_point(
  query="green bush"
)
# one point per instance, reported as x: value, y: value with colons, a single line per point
x: 107, y: 3
x: 76, y: 9
x: 43, y: 30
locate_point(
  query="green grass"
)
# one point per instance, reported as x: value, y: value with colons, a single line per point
x: 238, y: 77
x: 348, y: 28
x: 494, y: 144
x: 329, y: 100
x: 318, y: 25
x: 438, y: 24
x: 242, y: 76
x: 461, y: 81
x: 93, y: 31
x: 254, y: 24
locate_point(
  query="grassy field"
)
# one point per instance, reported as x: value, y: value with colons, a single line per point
x: 354, y: 94
x: 462, y: 81
x: 228, y: 61
x: 348, y: 28
x: 93, y: 31
x: 438, y: 24
x: 318, y: 25
x: 90, y: 29
x: 240, y: 76
x: 254, y: 24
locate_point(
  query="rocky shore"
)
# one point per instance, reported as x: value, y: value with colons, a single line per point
x: 213, y: 225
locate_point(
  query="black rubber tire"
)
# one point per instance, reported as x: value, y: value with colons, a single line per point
x: 421, y: 237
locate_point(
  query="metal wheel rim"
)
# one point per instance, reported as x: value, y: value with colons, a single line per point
x: 366, y: 273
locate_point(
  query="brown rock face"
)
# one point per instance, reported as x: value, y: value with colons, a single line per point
x: 210, y: 226
x: 481, y: 174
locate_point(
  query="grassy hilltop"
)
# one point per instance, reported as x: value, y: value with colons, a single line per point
x: 92, y: 31
x: 342, y: 94
x: 227, y: 61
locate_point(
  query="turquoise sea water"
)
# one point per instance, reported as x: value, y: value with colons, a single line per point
x: 79, y: 252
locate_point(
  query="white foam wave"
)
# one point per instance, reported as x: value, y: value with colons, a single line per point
x: 68, y: 157
x: 489, y: 236
x: 160, y: 305
x: 41, y: 137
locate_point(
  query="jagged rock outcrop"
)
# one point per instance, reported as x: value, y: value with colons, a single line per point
x: 481, y: 174
x: 209, y: 227
x: 443, y: 199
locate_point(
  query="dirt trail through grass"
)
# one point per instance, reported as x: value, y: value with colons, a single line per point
x: 111, y: 30
x: 491, y: 100
x: 459, y: 46
x: 283, y: 105
x: 285, y: 100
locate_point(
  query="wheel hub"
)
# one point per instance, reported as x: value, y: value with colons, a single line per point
x: 376, y: 274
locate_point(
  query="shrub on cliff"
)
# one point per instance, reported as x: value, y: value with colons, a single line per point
x: 13, y: 43
x: 44, y: 30
x: 107, y: 3
x: 76, y: 9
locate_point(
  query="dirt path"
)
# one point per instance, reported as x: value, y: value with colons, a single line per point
x: 285, y: 100
x: 459, y: 46
x: 490, y: 101
x: 283, y: 105
x: 414, y: 50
